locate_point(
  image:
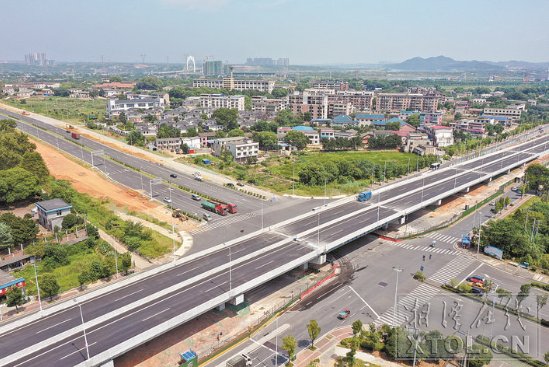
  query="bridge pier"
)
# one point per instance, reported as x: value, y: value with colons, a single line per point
x: 466, y: 190
x: 438, y: 203
x: 221, y: 307
x: 237, y: 300
x: 508, y: 171
x: 108, y: 364
x: 305, y: 266
x: 402, y: 220
x: 319, y: 260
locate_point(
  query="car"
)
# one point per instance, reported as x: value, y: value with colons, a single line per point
x: 343, y: 315
x: 493, y: 203
x: 207, y: 217
x: 168, y: 200
x: 173, y: 175
x: 476, y: 279
x: 195, y: 197
x: 67, y: 131
x: 514, y: 189
x: 478, y: 285
x: 230, y: 184
x: 240, y: 183
x: 477, y: 290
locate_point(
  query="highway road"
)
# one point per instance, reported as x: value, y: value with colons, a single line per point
x: 122, y: 320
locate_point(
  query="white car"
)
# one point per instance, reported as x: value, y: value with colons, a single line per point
x: 168, y: 200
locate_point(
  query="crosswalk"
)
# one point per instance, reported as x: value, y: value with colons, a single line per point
x: 452, y: 269
x: 442, y: 238
x: 219, y: 221
x: 424, y: 248
x: 423, y: 294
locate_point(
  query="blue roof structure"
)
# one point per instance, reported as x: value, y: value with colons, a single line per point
x: 187, y: 356
x: 375, y: 117
x: 394, y: 119
x: 499, y: 118
x: 303, y: 128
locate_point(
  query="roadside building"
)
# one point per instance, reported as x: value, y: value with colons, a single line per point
x: 215, y: 101
x: 240, y: 148
x: 52, y: 212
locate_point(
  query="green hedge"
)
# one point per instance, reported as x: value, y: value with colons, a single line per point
x: 510, y: 352
x: 484, y: 202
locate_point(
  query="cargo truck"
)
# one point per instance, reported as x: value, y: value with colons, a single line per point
x: 218, y: 208
x: 363, y: 196
x: 465, y: 241
x: 75, y: 136
x: 241, y: 360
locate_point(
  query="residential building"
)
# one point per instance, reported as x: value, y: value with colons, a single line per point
x: 316, y: 105
x: 419, y: 143
x: 212, y: 68
x: 331, y: 85
x: 510, y: 113
x: 344, y: 121
x: 406, y: 101
x: 235, y: 84
x: 116, y: 105
x: 173, y: 143
x: 312, y: 134
x: 216, y: 101
x: 430, y: 118
x: 78, y: 93
x: 206, y: 138
x: 327, y: 133
x: 443, y: 136
x: 381, y: 123
x: 264, y: 104
x: 52, y: 212
x: 241, y: 148
x: 360, y: 100
x: 339, y: 108
x: 366, y: 120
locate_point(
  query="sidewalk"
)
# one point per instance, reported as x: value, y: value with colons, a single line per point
x: 327, y: 350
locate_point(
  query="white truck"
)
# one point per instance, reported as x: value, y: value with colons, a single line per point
x: 241, y: 360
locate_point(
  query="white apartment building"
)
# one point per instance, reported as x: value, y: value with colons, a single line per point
x: 241, y: 148
x: 236, y: 84
x: 117, y: 106
x: 443, y: 135
x: 264, y: 104
x: 510, y: 113
x: 216, y: 101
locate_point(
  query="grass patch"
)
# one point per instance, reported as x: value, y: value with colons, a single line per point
x: 62, y: 107
x: 151, y: 219
x: 158, y: 246
x: 530, y: 202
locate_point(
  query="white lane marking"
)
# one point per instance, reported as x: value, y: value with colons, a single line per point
x: 78, y: 351
x: 156, y: 314
x: 471, y: 273
x: 62, y: 322
x: 127, y: 295
x: 260, y: 266
x: 366, y: 303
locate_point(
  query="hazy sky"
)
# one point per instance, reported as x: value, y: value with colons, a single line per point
x: 306, y: 31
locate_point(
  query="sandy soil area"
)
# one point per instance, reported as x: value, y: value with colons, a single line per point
x: 88, y: 181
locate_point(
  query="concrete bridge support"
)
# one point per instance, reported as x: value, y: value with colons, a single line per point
x: 438, y: 203
x: 237, y: 300
x: 402, y: 220
x: 305, y: 266
x: 319, y: 260
x: 108, y: 364
x: 466, y: 190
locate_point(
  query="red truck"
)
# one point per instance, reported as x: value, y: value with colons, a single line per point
x: 75, y: 136
x: 218, y: 208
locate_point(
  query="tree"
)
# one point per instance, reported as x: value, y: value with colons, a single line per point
x: 13, y: 145
x: 353, y: 345
x: 413, y: 120
x: 15, y: 298
x: 479, y: 356
x: 226, y: 117
x: 165, y: 131
x: 135, y: 138
x: 185, y: 148
x: 149, y: 83
x: 7, y: 124
x: 546, y: 357
x: 314, y: 331
x: 49, y: 285
x: 220, y: 134
x: 236, y: 132
x: 18, y: 184
x: 125, y: 261
x: 541, y: 301
x: 297, y: 139
x: 457, y: 116
x: 267, y: 140
x: 83, y: 278
x: 115, y: 79
x: 122, y: 118
x: 6, y: 239
x: 307, y: 116
x: 289, y: 345
x: 69, y: 221
x: 191, y: 132
x: 22, y: 229
x: 392, y: 126
x: 523, y: 294
x: 357, y: 327
x: 92, y: 232
x: 286, y: 118
x: 248, y: 103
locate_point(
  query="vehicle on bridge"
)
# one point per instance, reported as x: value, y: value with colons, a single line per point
x: 75, y: 136
x: 343, y: 315
x: 214, y: 207
x: 435, y: 166
x: 465, y: 241
x: 365, y: 195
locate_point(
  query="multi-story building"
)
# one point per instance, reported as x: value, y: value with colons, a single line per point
x: 235, y: 84
x: 117, y: 106
x: 216, y: 101
x: 331, y: 85
x: 266, y: 61
x: 339, y: 108
x: 366, y: 120
x: 361, y: 100
x: 264, y: 104
x: 241, y: 148
x: 442, y: 135
x: 316, y: 105
x: 430, y: 118
x: 52, y: 212
x: 212, y: 68
x: 175, y: 143
x: 406, y: 101
x: 511, y: 113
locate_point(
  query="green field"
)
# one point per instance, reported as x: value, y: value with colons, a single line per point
x: 378, y: 157
x: 61, y: 108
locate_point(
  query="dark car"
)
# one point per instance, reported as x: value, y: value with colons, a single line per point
x: 477, y: 290
x: 230, y: 184
x: 173, y: 175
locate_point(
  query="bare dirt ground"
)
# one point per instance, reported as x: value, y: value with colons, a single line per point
x: 88, y: 181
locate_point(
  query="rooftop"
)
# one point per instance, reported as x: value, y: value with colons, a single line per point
x: 54, y: 204
x: 303, y: 128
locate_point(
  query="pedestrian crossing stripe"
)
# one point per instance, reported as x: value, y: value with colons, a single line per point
x: 441, y: 237
x: 426, y: 249
x: 452, y: 269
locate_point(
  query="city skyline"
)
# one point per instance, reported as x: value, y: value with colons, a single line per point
x: 306, y: 32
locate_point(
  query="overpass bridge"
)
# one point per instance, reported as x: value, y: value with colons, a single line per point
x: 121, y: 316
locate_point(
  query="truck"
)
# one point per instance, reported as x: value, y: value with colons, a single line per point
x: 25, y: 113
x: 465, y: 241
x: 241, y: 360
x: 218, y: 208
x: 75, y: 136
x: 365, y: 195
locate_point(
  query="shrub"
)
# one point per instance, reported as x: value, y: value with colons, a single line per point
x: 69, y: 221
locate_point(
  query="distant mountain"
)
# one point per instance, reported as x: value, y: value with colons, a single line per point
x: 442, y: 63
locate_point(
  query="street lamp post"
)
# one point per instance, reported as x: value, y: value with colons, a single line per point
x: 37, y: 286
x: 384, y: 171
x: 293, y: 179
x: 230, y: 271
x: 422, y: 186
x: 141, y: 171
x: 173, y: 228
x: 397, y: 270
x: 83, y: 328
x: 408, y: 175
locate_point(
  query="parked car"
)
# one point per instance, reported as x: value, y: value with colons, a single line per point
x: 493, y: 203
x: 173, y: 175
x: 477, y: 290
x: 478, y: 285
x: 240, y: 183
x: 230, y: 184
x: 168, y: 200
x: 476, y: 279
